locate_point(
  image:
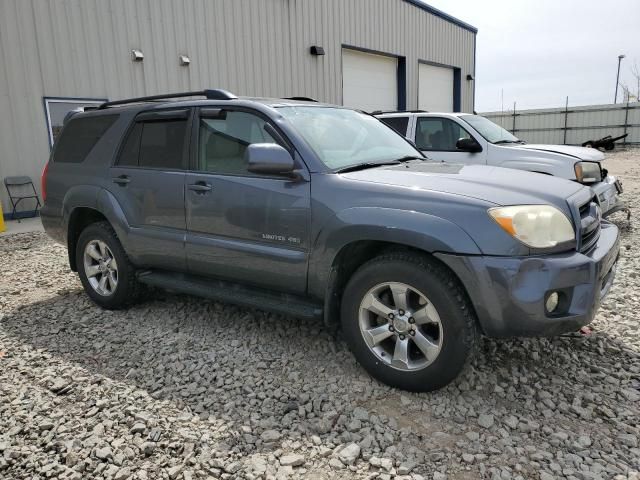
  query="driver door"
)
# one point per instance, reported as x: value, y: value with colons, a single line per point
x: 243, y: 226
x: 436, y: 137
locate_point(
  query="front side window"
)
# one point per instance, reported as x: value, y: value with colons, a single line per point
x: 439, y: 134
x: 342, y: 137
x: 224, y: 138
x: 490, y: 131
x: 155, y: 144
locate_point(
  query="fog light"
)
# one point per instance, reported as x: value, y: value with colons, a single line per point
x: 552, y: 302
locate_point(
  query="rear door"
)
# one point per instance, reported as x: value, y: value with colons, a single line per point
x: 436, y: 137
x: 243, y: 226
x: 148, y: 181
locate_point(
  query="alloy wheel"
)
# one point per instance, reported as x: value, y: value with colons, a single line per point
x: 400, y: 326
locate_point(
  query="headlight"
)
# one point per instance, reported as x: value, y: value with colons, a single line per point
x: 588, y: 172
x: 537, y: 226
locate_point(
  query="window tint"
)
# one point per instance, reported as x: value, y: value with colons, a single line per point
x: 399, y: 124
x: 162, y: 144
x: 80, y: 136
x: 438, y: 134
x: 131, y: 149
x: 224, y: 139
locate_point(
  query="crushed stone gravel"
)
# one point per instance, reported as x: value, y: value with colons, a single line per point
x: 183, y: 388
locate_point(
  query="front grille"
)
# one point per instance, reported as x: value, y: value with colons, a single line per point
x: 589, y: 225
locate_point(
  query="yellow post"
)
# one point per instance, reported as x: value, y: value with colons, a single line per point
x: 2, y: 227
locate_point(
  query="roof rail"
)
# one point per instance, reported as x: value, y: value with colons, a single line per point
x: 303, y: 99
x: 216, y: 94
x: 379, y: 112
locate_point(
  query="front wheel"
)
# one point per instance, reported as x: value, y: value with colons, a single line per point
x: 408, y: 321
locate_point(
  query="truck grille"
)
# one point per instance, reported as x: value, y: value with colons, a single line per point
x: 589, y: 226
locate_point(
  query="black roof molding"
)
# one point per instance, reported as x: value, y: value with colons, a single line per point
x: 441, y: 14
x: 210, y: 94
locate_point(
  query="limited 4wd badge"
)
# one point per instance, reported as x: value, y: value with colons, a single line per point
x: 280, y: 238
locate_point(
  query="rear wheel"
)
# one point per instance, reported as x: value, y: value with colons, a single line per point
x: 106, y: 273
x: 408, y: 321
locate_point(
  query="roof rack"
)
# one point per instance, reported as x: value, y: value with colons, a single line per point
x: 303, y: 99
x: 378, y: 112
x: 216, y: 94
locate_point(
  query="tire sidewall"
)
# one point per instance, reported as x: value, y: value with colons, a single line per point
x: 455, y: 348
x: 106, y: 235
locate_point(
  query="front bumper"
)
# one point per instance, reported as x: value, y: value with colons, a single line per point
x: 607, y: 193
x: 509, y: 293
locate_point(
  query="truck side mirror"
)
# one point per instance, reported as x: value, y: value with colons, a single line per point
x: 268, y: 159
x: 468, y: 145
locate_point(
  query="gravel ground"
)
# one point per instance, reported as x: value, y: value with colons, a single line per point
x: 183, y: 388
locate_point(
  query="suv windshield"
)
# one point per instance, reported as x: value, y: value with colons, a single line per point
x: 490, y: 131
x: 342, y: 137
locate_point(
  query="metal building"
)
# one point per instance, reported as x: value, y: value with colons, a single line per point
x: 371, y: 54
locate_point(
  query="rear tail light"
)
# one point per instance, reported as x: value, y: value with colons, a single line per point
x: 43, y: 182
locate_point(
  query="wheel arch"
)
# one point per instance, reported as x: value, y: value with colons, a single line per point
x: 79, y: 219
x: 86, y: 205
x: 345, y: 249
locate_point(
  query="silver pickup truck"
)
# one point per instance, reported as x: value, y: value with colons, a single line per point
x: 472, y: 139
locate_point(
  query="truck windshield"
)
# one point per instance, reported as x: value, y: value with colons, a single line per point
x: 490, y: 131
x: 344, y: 138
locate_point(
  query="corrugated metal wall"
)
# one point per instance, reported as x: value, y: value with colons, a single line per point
x: 81, y: 48
x: 582, y: 123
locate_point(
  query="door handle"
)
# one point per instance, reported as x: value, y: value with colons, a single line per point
x: 200, y: 187
x: 122, y: 180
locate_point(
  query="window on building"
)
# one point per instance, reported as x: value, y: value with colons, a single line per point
x: 56, y: 109
x: 80, y: 136
x: 399, y: 124
x: 434, y: 133
x: 224, y: 139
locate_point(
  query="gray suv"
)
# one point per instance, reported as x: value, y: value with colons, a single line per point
x: 325, y: 213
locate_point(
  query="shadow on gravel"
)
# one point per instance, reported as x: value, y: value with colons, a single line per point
x: 233, y: 363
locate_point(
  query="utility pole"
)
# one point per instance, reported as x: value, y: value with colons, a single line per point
x: 615, y: 98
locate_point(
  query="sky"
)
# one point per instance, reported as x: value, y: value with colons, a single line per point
x: 538, y: 52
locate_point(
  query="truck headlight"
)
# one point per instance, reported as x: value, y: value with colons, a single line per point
x: 588, y: 172
x: 537, y: 226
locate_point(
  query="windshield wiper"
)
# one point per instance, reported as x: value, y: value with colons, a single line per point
x: 407, y: 158
x: 364, y: 166
x: 507, y: 141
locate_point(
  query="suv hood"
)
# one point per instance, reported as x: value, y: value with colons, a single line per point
x: 499, y: 186
x: 582, y: 153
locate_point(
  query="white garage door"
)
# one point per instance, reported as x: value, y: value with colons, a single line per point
x: 435, y: 88
x: 369, y: 82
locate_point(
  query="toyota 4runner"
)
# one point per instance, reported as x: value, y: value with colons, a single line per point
x: 323, y: 212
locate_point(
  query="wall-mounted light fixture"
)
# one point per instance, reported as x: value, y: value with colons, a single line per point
x: 184, y: 60
x: 470, y: 77
x: 137, y: 55
x: 316, y: 50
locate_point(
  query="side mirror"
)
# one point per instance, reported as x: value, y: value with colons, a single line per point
x: 268, y: 159
x: 468, y: 145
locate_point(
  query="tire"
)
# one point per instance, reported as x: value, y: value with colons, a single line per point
x: 120, y: 286
x: 452, y: 337
x: 588, y: 144
x: 609, y: 146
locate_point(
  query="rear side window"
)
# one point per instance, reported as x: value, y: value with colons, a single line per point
x: 399, y: 124
x: 155, y: 144
x: 79, y: 137
x: 131, y: 148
